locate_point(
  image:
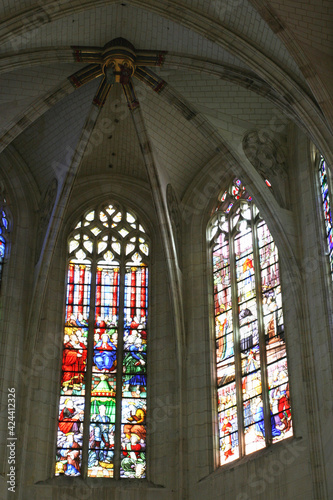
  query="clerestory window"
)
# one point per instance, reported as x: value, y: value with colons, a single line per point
x: 4, y: 229
x: 102, y: 405
x: 253, y: 400
x: 326, y: 209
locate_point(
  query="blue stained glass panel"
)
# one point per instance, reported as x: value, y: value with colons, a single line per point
x: 3, y: 231
x: 2, y: 247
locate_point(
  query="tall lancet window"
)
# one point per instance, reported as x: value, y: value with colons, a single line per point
x: 102, y: 406
x: 251, y: 361
x: 4, y: 228
x: 326, y: 209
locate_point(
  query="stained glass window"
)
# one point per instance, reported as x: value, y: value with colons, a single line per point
x: 252, y: 375
x: 102, y: 406
x: 3, y: 232
x: 326, y: 208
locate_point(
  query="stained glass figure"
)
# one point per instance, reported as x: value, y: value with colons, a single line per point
x: 102, y: 406
x: 326, y: 209
x: 253, y: 400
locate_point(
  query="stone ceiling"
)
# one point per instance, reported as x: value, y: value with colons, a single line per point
x: 231, y: 63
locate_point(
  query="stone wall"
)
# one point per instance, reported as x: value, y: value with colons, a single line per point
x: 182, y: 427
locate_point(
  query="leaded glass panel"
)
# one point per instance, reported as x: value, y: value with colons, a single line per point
x: 3, y: 231
x: 253, y: 400
x: 102, y: 406
x: 326, y: 209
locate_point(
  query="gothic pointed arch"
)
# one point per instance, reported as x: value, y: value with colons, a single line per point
x: 253, y: 400
x: 103, y: 390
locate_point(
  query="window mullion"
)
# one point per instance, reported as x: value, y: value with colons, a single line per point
x: 329, y: 180
x: 262, y: 340
x: 90, y: 351
x: 119, y: 373
x: 238, y: 365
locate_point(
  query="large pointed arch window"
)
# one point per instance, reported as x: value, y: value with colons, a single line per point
x: 252, y: 375
x: 4, y: 228
x: 326, y: 209
x: 102, y: 406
